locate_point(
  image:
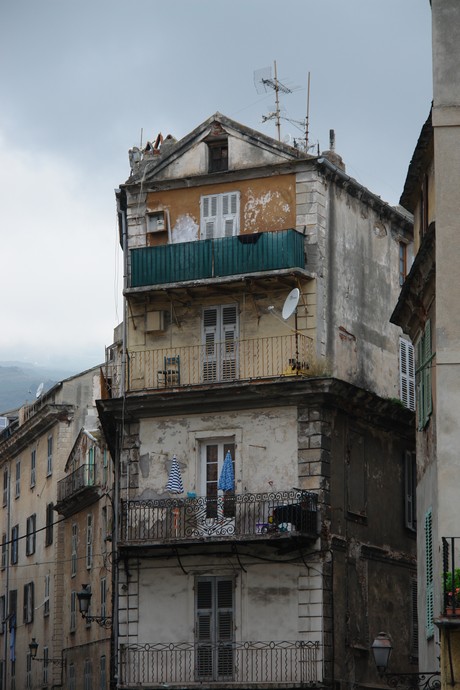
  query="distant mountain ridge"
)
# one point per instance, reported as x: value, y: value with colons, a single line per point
x: 19, y: 382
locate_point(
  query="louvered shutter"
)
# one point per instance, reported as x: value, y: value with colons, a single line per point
x: 419, y: 385
x: 407, y: 373
x: 414, y: 619
x: 429, y: 625
x: 209, y: 219
x: 230, y: 214
x: 229, y: 342
x: 214, y: 628
x: 210, y: 337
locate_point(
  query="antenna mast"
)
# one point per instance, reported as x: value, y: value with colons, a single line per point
x: 266, y: 80
x: 307, y: 119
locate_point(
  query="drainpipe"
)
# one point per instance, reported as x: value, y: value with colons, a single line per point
x: 6, y: 618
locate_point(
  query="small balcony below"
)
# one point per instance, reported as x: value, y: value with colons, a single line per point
x: 219, y: 257
x: 451, y: 580
x: 249, y: 664
x: 231, y: 517
x: 78, y: 490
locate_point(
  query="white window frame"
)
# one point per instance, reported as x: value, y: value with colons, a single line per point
x: 33, y: 465
x: 49, y: 460
x: 31, y: 532
x: 219, y: 215
x: 17, y: 484
x: 407, y: 373
x: 103, y: 597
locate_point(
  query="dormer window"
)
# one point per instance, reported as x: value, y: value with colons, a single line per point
x: 218, y: 156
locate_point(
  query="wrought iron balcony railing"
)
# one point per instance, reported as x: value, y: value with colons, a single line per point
x: 239, y: 360
x: 451, y: 576
x: 239, y: 664
x: 219, y: 257
x: 236, y: 516
x: 77, y: 490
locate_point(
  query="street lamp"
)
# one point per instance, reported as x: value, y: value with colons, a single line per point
x: 84, y: 601
x: 33, y: 648
x: 381, y: 650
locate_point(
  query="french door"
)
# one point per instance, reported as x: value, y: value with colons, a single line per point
x: 220, y: 343
x: 214, y: 605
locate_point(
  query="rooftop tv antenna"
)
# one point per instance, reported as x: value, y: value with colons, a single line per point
x: 264, y: 81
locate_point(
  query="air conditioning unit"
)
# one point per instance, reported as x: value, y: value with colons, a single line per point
x: 4, y: 421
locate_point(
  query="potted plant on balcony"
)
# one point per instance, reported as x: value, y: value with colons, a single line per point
x: 452, y: 592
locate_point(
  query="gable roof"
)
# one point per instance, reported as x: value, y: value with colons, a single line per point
x: 151, y: 165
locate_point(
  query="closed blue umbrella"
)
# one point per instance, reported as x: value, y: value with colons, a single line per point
x: 174, y: 485
x: 227, y: 479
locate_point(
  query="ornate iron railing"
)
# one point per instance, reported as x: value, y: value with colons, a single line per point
x: 262, y: 664
x: 254, y: 358
x: 83, y: 476
x: 257, y: 516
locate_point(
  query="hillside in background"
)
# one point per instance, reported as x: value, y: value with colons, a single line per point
x: 19, y: 383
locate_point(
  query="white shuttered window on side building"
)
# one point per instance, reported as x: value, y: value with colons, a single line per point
x: 407, y: 373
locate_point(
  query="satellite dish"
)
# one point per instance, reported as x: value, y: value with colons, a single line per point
x: 290, y: 304
x: 39, y: 390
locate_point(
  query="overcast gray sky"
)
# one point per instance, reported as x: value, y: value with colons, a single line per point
x: 80, y: 80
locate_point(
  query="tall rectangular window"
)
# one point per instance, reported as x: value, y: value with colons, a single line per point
x: 423, y: 377
x: 429, y: 583
x: 33, y: 462
x: 87, y: 675
x: 72, y: 677
x: 103, y: 673
x: 4, y: 551
x: 17, y: 485
x: 105, y: 467
x: 213, y: 457
x: 14, y: 544
x: 45, y: 665
x: 73, y: 553
x: 73, y: 611
x: 2, y: 614
x: 89, y: 541
x: 28, y: 671
x: 49, y: 524
x: 220, y: 215
x: 30, y: 534
x: 407, y: 373
x: 410, y: 487
x: 28, y: 602
x: 5, y: 487
x: 103, y: 597
x: 214, y: 628
x: 220, y: 343
x: 402, y: 262
x: 46, y: 605
x: 49, y: 462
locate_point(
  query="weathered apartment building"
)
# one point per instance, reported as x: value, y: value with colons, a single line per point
x: 264, y: 463
x: 427, y: 311
x: 55, y: 516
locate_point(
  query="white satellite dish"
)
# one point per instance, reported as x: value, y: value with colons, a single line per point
x: 39, y: 390
x: 290, y: 304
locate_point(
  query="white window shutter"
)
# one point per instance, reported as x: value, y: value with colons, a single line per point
x: 210, y: 326
x: 230, y: 214
x: 209, y: 217
x: 229, y: 341
x: 407, y: 373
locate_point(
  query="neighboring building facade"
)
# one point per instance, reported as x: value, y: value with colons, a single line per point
x: 39, y: 566
x: 259, y: 285
x: 427, y: 311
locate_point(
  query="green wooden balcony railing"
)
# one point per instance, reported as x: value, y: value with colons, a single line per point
x: 224, y: 256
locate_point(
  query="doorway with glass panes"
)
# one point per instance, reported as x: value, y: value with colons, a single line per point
x: 214, y: 610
